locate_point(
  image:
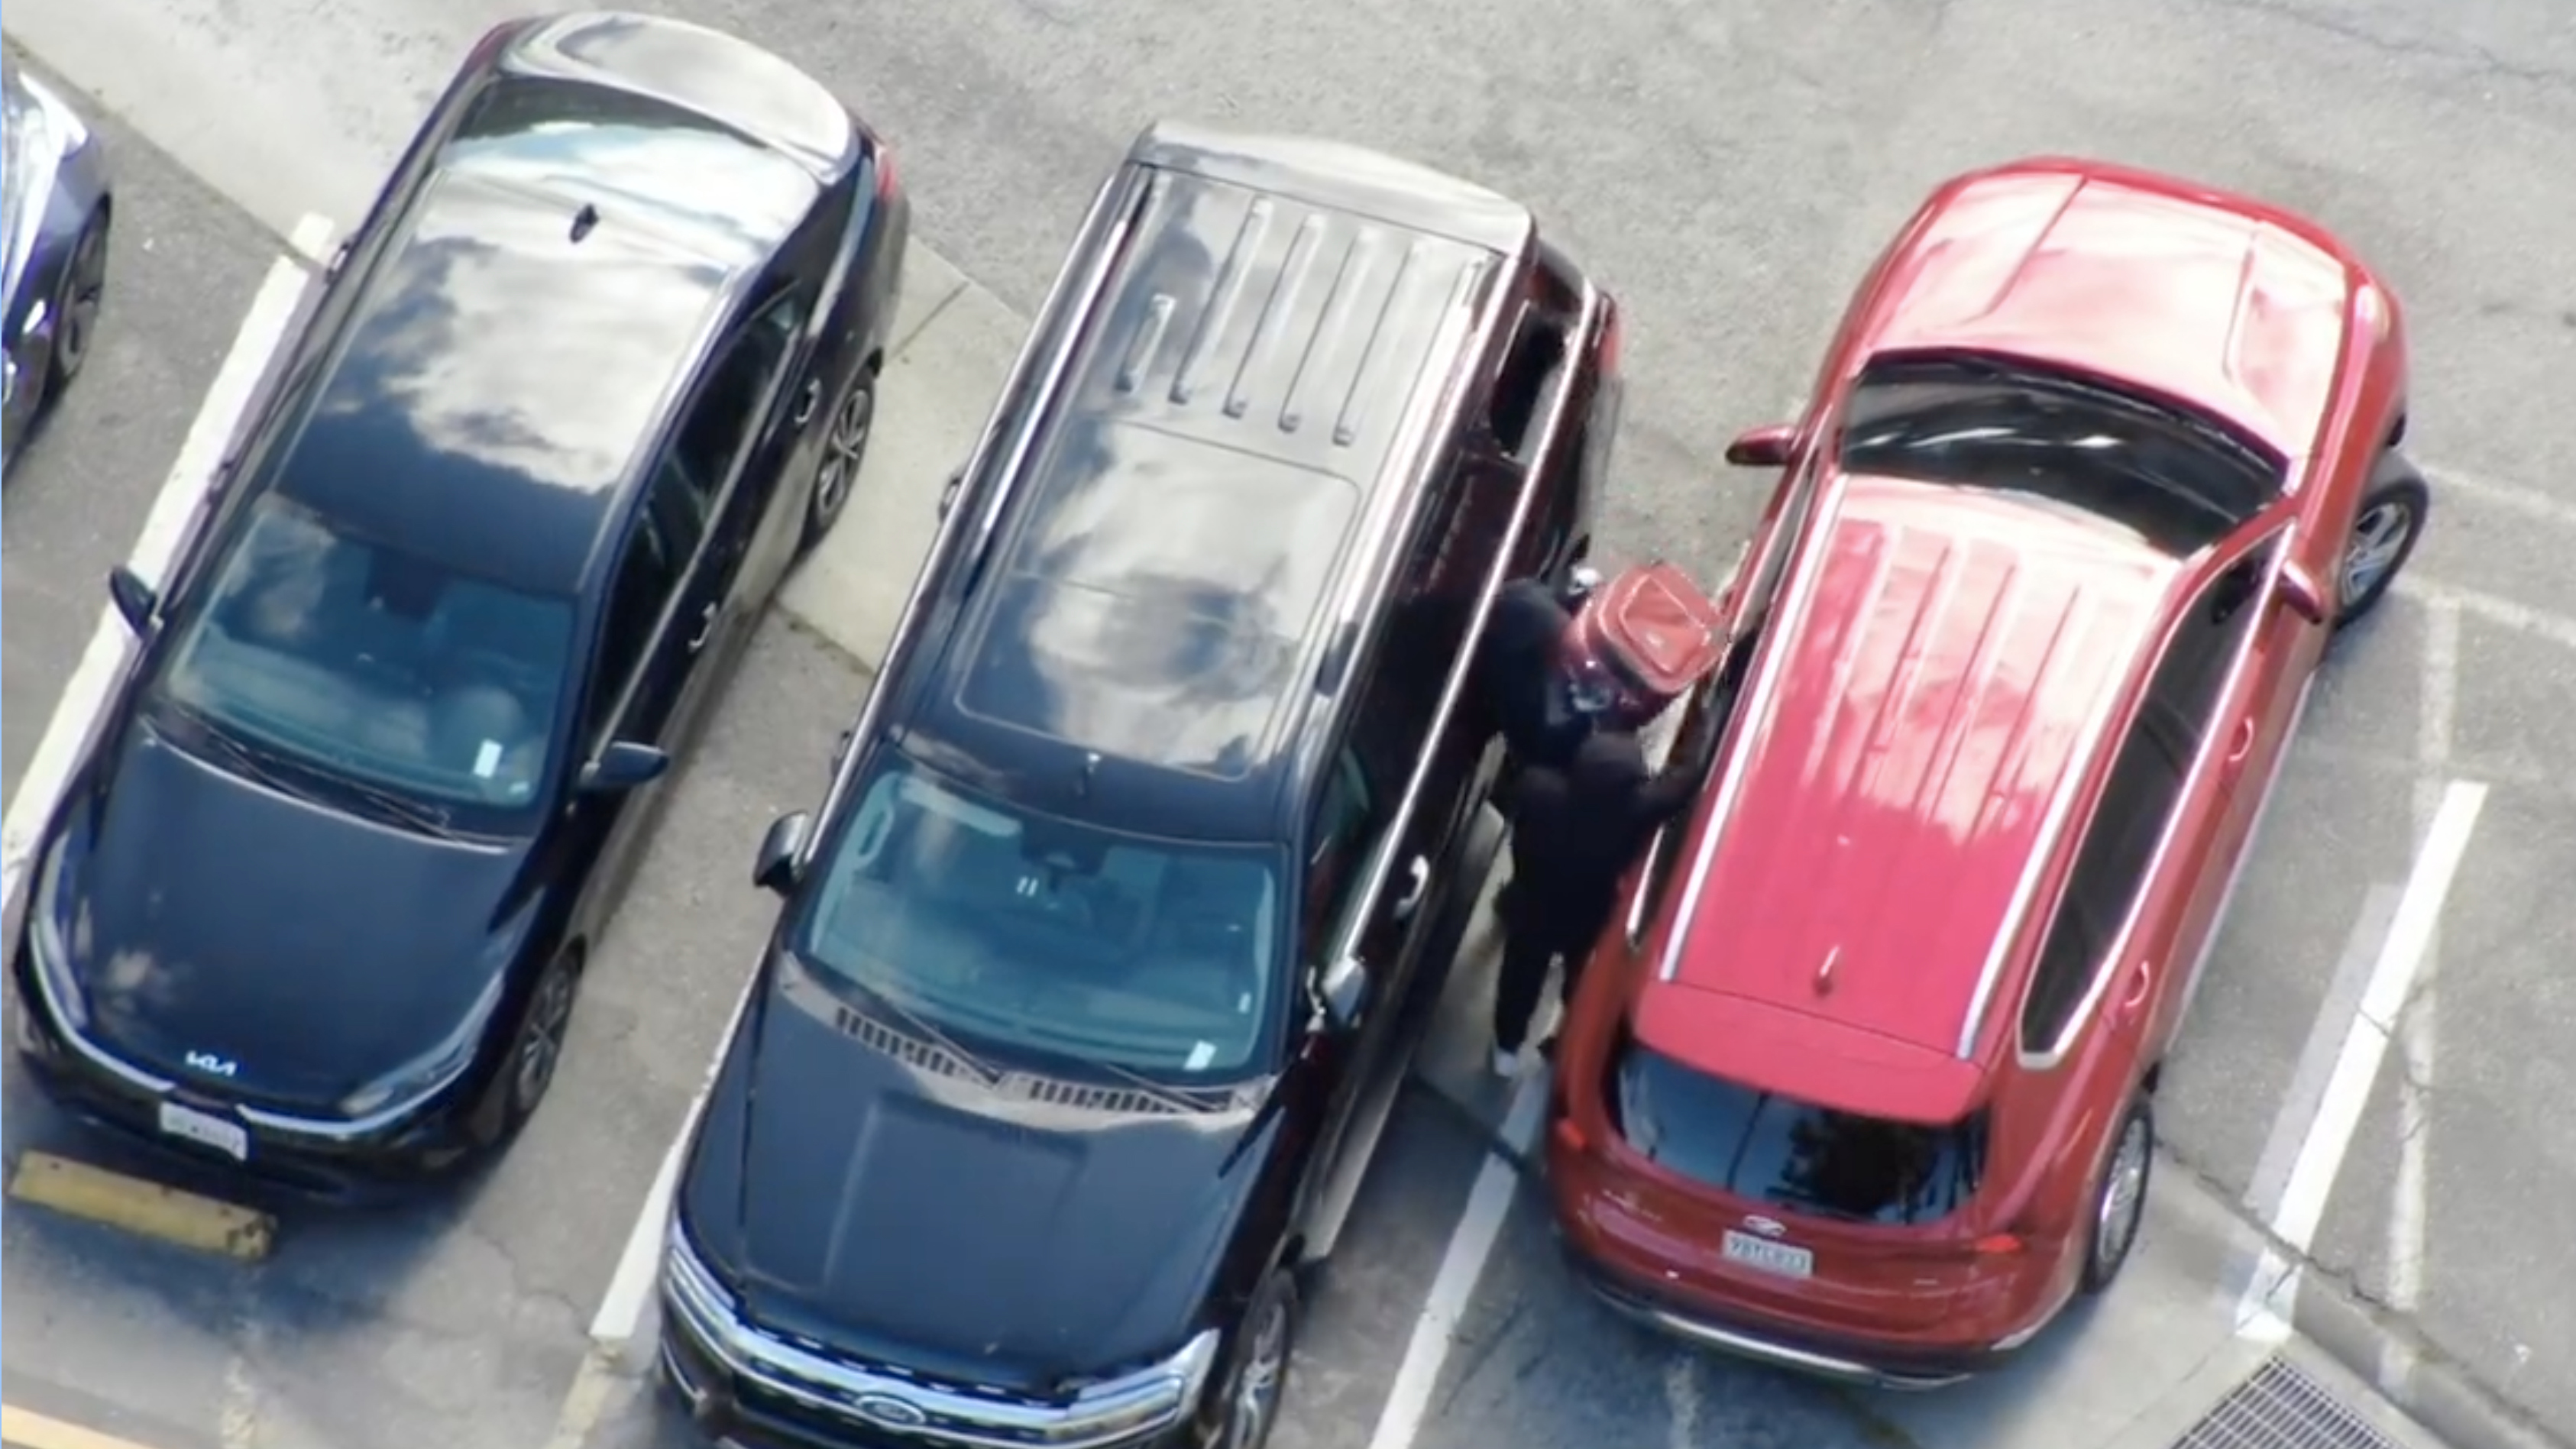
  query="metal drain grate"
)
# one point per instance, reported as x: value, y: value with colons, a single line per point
x: 2282, y: 1408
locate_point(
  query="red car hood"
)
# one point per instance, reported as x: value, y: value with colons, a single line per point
x: 2190, y: 297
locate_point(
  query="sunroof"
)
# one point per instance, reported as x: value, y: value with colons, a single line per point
x: 1155, y: 602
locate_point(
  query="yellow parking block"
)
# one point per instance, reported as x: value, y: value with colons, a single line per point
x: 26, y: 1429
x: 138, y: 1206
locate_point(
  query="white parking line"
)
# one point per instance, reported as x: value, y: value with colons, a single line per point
x: 2545, y: 506
x: 174, y: 510
x: 2411, y: 1196
x: 1462, y: 1264
x: 2269, y: 1301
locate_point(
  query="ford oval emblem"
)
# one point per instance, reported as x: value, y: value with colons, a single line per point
x: 1767, y: 1227
x: 889, y: 1411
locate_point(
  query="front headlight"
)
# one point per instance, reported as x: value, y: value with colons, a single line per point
x: 1163, y: 1393
x: 702, y: 1295
x: 45, y: 942
x: 433, y: 1071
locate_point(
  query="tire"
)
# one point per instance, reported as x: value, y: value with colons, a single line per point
x: 78, y: 301
x: 845, y: 448
x: 1247, y: 1398
x: 2120, y: 1198
x: 535, y: 1058
x: 2385, y: 530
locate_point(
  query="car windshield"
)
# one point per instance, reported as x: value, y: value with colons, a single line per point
x: 2166, y: 477
x: 1792, y: 1154
x: 1037, y: 936
x: 369, y: 665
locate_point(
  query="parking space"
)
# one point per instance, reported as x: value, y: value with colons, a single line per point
x: 1732, y: 218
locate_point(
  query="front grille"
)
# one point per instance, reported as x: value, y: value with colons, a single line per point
x: 2283, y: 1408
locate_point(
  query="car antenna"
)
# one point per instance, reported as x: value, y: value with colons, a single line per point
x: 583, y: 220
x: 1090, y: 767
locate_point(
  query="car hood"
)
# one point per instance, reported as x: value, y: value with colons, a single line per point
x: 949, y: 1226
x: 315, y: 950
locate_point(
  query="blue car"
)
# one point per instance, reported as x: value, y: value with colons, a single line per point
x: 54, y: 173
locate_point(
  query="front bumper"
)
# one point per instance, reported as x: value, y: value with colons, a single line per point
x: 329, y: 1165
x: 1814, y: 1355
x: 744, y: 1404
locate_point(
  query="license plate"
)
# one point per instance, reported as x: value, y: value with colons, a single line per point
x: 1770, y: 1257
x: 205, y: 1129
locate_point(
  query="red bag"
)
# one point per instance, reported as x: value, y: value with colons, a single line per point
x: 1656, y: 628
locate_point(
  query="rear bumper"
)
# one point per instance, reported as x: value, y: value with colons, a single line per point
x: 1839, y: 1360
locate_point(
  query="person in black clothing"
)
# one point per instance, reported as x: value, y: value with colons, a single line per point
x: 1534, y: 698
x: 1576, y: 828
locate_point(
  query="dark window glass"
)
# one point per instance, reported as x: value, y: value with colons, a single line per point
x: 1045, y: 941
x: 2189, y: 683
x: 1538, y: 347
x: 2168, y: 477
x: 1792, y: 1154
x: 361, y: 661
x: 732, y: 401
x: 646, y: 579
x: 2111, y: 868
x: 1336, y: 847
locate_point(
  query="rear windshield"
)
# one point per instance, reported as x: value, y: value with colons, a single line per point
x: 2170, y: 478
x: 1792, y: 1154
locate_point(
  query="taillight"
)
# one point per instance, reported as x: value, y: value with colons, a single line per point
x: 491, y: 43
x: 885, y: 173
x: 1997, y: 1245
x: 1570, y: 1136
x: 1613, y: 333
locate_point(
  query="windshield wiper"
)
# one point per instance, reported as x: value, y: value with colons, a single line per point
x: 239, y: 754
x: 428, y: 819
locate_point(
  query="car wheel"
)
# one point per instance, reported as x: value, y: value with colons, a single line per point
x: 2120, y: 1199
x: 1258, y: 1373
x: 77, y: 305
x: 536, y: 1053
x: 2384, y: 532
x: 845, y: 447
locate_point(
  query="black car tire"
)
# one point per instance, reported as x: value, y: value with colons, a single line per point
x: 78, y: 300
x: 844, y: 449
x: 2119, y: 1199
x: 2386, y: 527
x: 1247, y: 1397
x: 535, y: 1056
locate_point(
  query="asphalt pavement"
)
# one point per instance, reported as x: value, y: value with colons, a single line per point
x: 1729, y: 170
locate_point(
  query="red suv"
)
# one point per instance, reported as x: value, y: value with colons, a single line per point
x: 1863, y: 1084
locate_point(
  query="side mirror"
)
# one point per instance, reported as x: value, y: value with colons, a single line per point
x: 134, y: 598
x: 775, y: 870
x: 1345, y: 991
x: 2301, y: 594
x: 623, y: 766
x: 1764, y: 447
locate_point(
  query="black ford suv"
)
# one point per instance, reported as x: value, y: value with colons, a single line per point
x: 1102, y: 959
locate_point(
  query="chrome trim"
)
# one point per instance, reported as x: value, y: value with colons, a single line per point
x: 1761, y: 1350
x: 2117, y: 951
x: 1542, y: 444
x: 1160, y: 1397
x: 1758, y: 703
x: 1096, y: 248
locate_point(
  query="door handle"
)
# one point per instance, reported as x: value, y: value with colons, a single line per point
x: 807, y: 401
x: 2241, y: 743
x: 2142, y: 985
x: 1420, y: 871
x: 706, y: 627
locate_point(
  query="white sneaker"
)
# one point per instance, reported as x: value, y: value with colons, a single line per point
x: 1507, y: 1065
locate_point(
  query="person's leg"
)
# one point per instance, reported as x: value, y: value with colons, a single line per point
x: 1517, y: 984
